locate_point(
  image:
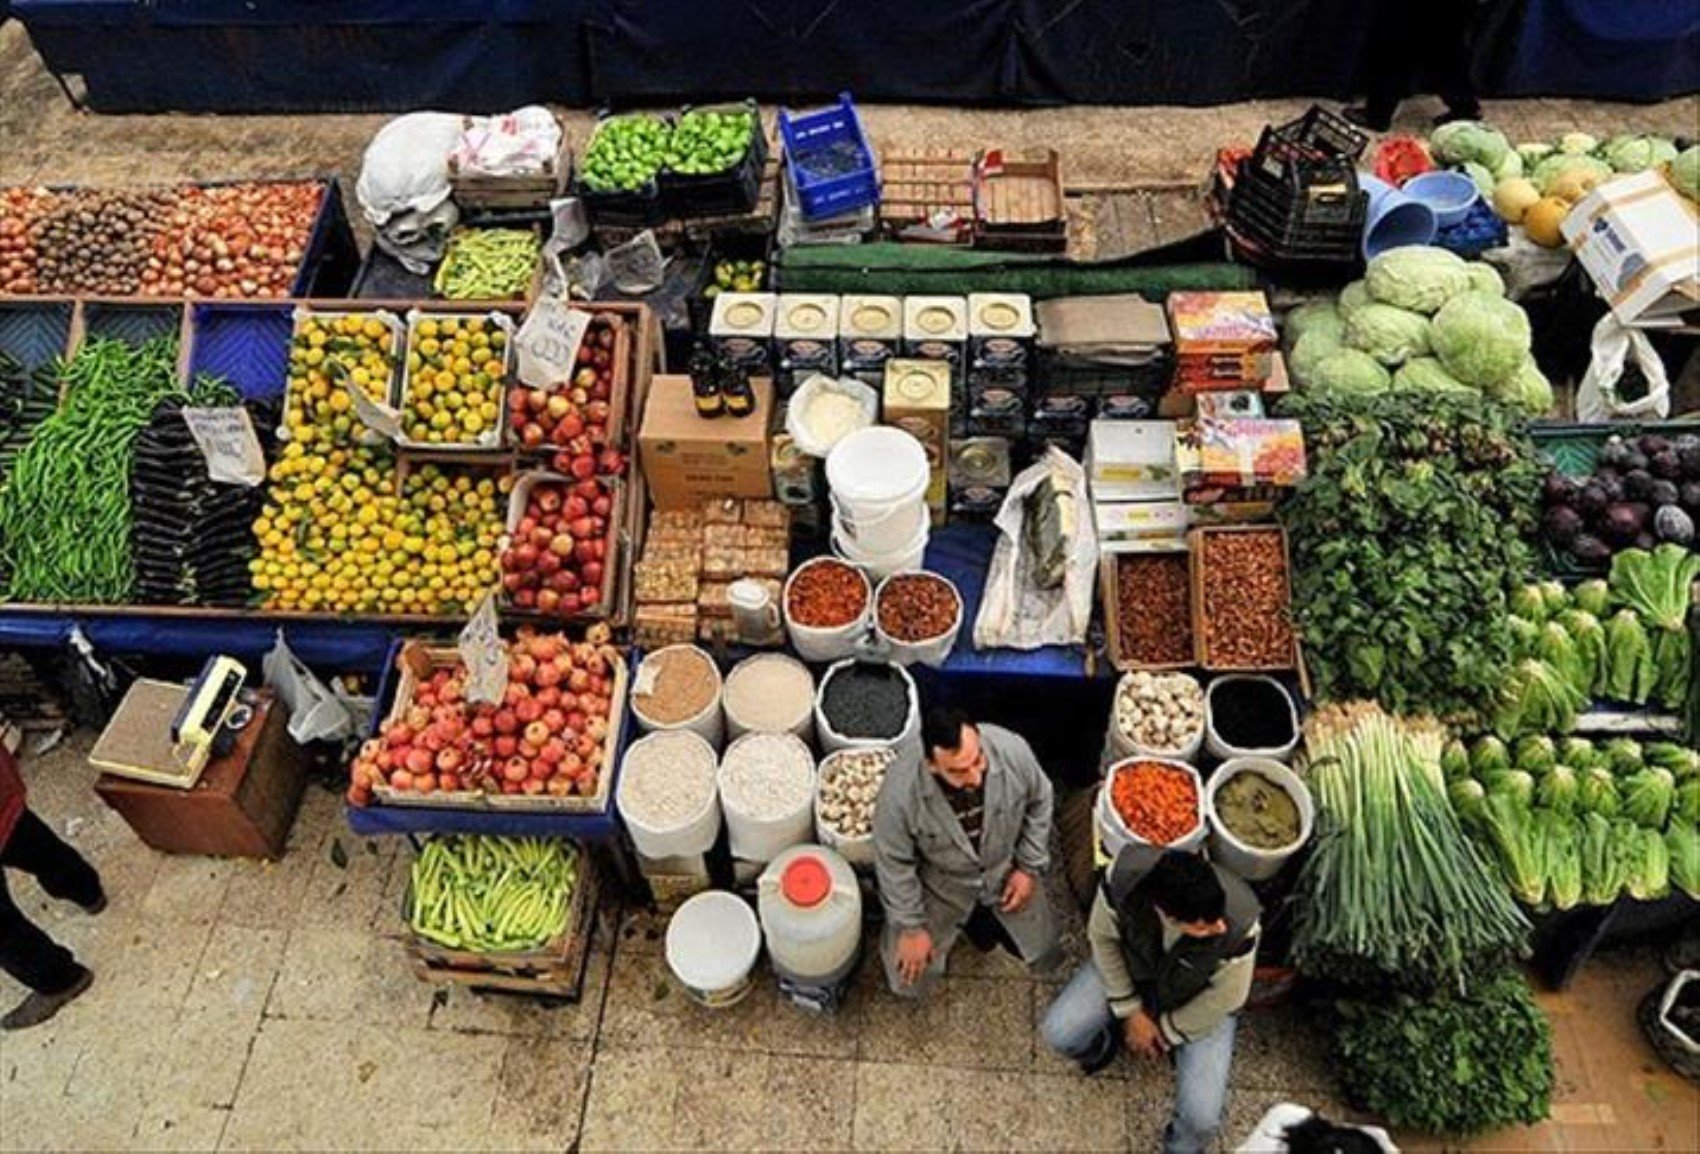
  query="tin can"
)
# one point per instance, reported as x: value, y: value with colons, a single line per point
x: 1000, y: 334
x: 979, y: 477
x: 795, y: 473
x: 805, y: 338
x: 742, y: 328
x: 935, y: 328
x: 996, y: 411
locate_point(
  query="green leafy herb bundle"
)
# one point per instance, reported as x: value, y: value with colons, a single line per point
x: 1451, y: 1064
x: 1407, y: 539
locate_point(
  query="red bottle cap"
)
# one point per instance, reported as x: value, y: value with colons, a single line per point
x: 805, y: 882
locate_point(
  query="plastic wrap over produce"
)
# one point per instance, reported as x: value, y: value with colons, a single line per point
x: 523, y: 141
x: 1039, y: 586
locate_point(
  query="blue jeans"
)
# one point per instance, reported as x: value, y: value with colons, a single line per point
x: 1079, y: 1025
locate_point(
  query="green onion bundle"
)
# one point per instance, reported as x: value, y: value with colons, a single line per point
x: 1394, y: 893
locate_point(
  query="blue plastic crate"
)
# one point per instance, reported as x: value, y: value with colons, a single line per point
x: 246, y: 344
x: 836, y: 129
x: 35, y: 332
x: 134, y: 323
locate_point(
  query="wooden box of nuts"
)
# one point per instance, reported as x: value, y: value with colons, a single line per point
x: 1148, y: 609
x: 1242, y: 599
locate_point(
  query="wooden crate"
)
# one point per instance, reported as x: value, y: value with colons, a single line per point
x: 1197, y: 541
x: 928, y: 196
x: 555, y: 970
x: 1108, y: 598
x: 529, y: 190
x: 1018, y: 201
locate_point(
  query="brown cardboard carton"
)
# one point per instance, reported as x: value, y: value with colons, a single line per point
x: 687, y: 459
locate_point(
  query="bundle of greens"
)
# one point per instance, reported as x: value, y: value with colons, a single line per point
x: 1408, y: 537
x: 1394, y: 893
x: 1452, y: 1064
x: 1568, y: 822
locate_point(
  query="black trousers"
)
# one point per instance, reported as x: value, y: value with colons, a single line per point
x: 1407, y: 39
x: 26, y: 953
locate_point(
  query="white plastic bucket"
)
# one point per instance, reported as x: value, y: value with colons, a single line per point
x: 693, y: 836
x: 813, y: 643
x: 1251, y: 863
x: 1114, y: 831
x: 1121, y: 746
x: 802, y: 725
x: 761, y: 839
x: 873, y: 470
x: 882, y: 565
x: 713, y: 942
x: 908, y: 740
x: 934, y: 650
x: 887, y: 532
x: 1220, y: 748
x: 858, y: 851
x: 811, y: 915
x: 707, y: 723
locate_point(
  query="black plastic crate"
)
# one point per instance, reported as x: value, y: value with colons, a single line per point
x: 732, y: 192
x: 1326, y: 132
x: 640, y: 207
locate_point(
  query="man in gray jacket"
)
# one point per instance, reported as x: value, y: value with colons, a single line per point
x: 961, y: 840
x: 1174, y: 944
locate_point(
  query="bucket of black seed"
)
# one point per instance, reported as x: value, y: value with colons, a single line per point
x: 866, y: 703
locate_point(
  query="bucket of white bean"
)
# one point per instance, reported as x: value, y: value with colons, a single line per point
x: 770, y: 693
x: 767, y: 784
x: 850, y: 782
x: 1156, y: 715
x: 666, y: 796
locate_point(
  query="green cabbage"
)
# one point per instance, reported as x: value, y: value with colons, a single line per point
x: 1561, y: 854
x: 1310, y: 351
x: 1535, y: 754
x: 1686, y: 807
x: 1649, y: 866
x: 1623, y: 756
x: 1596, y: 792
x: 1469, y: 140
x: 1481, y: 339
x: 1314, y: 316
x: 1533, y: 154
x: 1527, y: 389
x: 1511, y: 166
x: 1637, y: 153
x: 1529, y: 602
x: 1489, y: 754
x: 1427, y: 375
x: 1484, y: 278
x: 1481, y: 175
x: 1685, y: 172
x: 1557, y: 790
x: 1648, y: 795
x: 1468, y: 798
x: 1577, y: 143
x: 1510, y: 783
x: 1554, y: 594
x: 1353, y: 297
x: 1550, y: 169
x: 1578, y: 753
x: 1350, y: 371
x: 1418, y: 277
x: 1390, y: 335
x: 1682, y: 839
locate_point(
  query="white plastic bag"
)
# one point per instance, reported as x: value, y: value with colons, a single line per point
x: 404, y: 187
x: 315, y: 713
x: 523, y: 141
x: 813, y: 440
x: 1014, y: 614
x: 1598, y: 398
x: 636, y: 267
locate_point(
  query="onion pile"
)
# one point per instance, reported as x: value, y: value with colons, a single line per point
x: 19, y: 208
x: 238, y: 240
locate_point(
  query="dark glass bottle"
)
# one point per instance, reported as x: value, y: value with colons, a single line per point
x: 705, y: 382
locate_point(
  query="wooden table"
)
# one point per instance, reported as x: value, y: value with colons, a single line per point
x: 242, y: 806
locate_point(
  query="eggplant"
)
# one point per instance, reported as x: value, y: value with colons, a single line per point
x: 1590, y: 550
x: 1664, y: 493
x: 1624, y: 520
x: 1665, y: 465
x: 1637, y: 485
x: 1673, y: 525
x: 1559, y: 489
x: 1562, y: 524
x: 1592, y: 500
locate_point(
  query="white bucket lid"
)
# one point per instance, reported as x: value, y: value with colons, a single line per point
x: 877, y: 464
x: 713, y: 941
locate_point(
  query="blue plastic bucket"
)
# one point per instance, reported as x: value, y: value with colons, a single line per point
x: 1394, y: 220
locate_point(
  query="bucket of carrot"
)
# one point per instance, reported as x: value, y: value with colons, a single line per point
x: 1157, y: 801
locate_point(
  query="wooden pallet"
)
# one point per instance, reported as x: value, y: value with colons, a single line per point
x: 1018, y: 201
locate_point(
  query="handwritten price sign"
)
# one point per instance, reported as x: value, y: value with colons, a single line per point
x: 548, y: 343
x: 227, y: 441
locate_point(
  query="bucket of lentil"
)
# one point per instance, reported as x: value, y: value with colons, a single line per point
x: 666, y: 797
x: 679, y: 688
x: 1151, y: 801
x: 917, y: 616
x: 1250, y: 715
x: 848, y: 785
x: 863, y: 703
x: 1259, y: 813
x: 770, y: 693
x: 767, y: 789
x: 827, y: 606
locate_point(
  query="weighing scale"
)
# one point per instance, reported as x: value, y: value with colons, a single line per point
x: 165, y: 734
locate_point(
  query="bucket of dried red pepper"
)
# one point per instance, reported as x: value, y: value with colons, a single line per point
x: 1151, y: 801
x: 917, y: 616
x: 827, y: 607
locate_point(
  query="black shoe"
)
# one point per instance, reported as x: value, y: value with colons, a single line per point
x: 38, y: 1008
x: 1359, y: 115
x: 1449, y: 116
x: 96, y: 906
x: 1097, y: 1063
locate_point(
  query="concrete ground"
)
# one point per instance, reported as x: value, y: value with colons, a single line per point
x: 245, y: 1005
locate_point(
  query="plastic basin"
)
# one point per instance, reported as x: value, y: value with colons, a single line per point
x: 1449, y: 195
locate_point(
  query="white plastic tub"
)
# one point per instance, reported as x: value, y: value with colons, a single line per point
x: 881, y: 565
x: 1113, y: 831
x: 875, y: 471
x: 889, y: 531
x: 1251, y: 863
x: 934, y: 650
x: 908, y: 739
x: 694, y: 835
x: 713, y: 942
x: 761, y: 839
x: 800, y: 722
x: 1219, y: 748
x: 814, y: 643
x: 707, y: 723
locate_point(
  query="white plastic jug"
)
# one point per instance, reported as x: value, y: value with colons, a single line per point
x: 811, y: 914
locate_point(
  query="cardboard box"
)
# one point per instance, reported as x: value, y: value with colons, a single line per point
x: 1639, y: 239
x: 1239, y: 459
x: 688, y: 459
x: 1140, y: 526
x: 1132, y: 461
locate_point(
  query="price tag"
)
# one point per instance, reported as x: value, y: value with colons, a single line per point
x: 380, y: 418
x: 548, y: 341
x: 226, y: 439
x: 484, y: 656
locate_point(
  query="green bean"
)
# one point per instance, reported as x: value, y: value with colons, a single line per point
x: 488, y: 264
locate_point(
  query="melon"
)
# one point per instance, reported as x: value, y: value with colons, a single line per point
x: 1573, y: 184
x: 1543, y: 219
x: 1512, y: 198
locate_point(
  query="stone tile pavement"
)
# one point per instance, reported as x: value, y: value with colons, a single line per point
x: 247, y: 1005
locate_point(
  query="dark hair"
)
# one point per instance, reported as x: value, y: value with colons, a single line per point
x: 1185, y: 887
x: 942, y: 728
x: 1317, y: 1135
